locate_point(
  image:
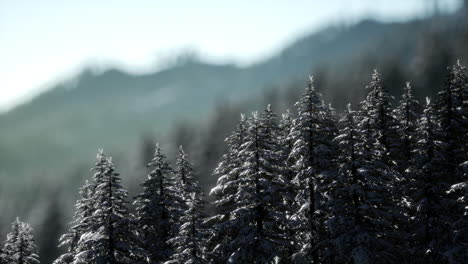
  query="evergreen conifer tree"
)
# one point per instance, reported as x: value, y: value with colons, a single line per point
x: 111, y: 237
x: 158, y: 209
x: 257, y: 218
x: 407, y: 113
x: 190, y: 242
x: 359, y: 204
x: 429, y: 206
x: 457, y: 253
x: 378, y: 109
x: 224, y: 194
x: 450, y: 157
x: 20, y: 247
x: 286, y: 142
x: 84, y: 209
x: 312, y: 155
x: 185, y: 176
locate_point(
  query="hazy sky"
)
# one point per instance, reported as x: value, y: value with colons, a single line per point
x: 42, y: 41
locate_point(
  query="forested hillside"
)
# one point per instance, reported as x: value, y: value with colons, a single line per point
x: 377, y: 183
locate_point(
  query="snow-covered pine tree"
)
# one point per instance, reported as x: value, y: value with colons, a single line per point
x: 286, y: 125
x: 312, y: 159
x: 451, y: 115
x: 429, y: 207
x: 19, y: 247
x: 184, y: 175
x: 452, y: 111
x: 407, y: 114
x: 458, y: 251
x: 378, y: 109
x: 275, y: 163
x: 224, y: 194
x: 11, y: 240
x: 452, y: 149
x: 358, y: 203
x: 84, y: 208
x: 111, y: 237
x: 257, y: 218
x: 384, y: 144
x: 346, y: 191
x: 190, y: 242
x: 158, y: 209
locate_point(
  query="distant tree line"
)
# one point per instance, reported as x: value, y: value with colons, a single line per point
x: 375, y: 184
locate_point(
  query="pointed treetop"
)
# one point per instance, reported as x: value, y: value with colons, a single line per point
x: 242, y: 117
x: 100, y: 155
x: 181, y: 151
x: 157, y: 149
x: 255, y: 115
x: 348, y: 107
x: 408, y: 85
x: 376, y: 74
x: 428, y: 101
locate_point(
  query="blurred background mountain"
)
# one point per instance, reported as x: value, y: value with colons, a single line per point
x: 48, y: 144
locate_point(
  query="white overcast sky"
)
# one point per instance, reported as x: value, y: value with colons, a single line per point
x: 43, y: 41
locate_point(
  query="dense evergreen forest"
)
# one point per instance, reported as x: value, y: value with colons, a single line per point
x: 384, y: 182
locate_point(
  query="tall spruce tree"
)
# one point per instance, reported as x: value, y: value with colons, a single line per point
x: 19, y: 247
x: 256, y: 218
x: 407, y: 114
x: 347, y: 192
x: 84, y: 209
x: 378, y: 109
x: 158, y: 209
x: 185, y: 176
x: 452, y: 132
x: 286, y: 142
x: 386, y: 156
x: 457, y: 253
x: 452, y: 149
x: 360, y: 210
x: 190, y: 242
x: 312, y: 157
x: 430, y: 207
x: 111, y: 237
x: 224, y: 194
